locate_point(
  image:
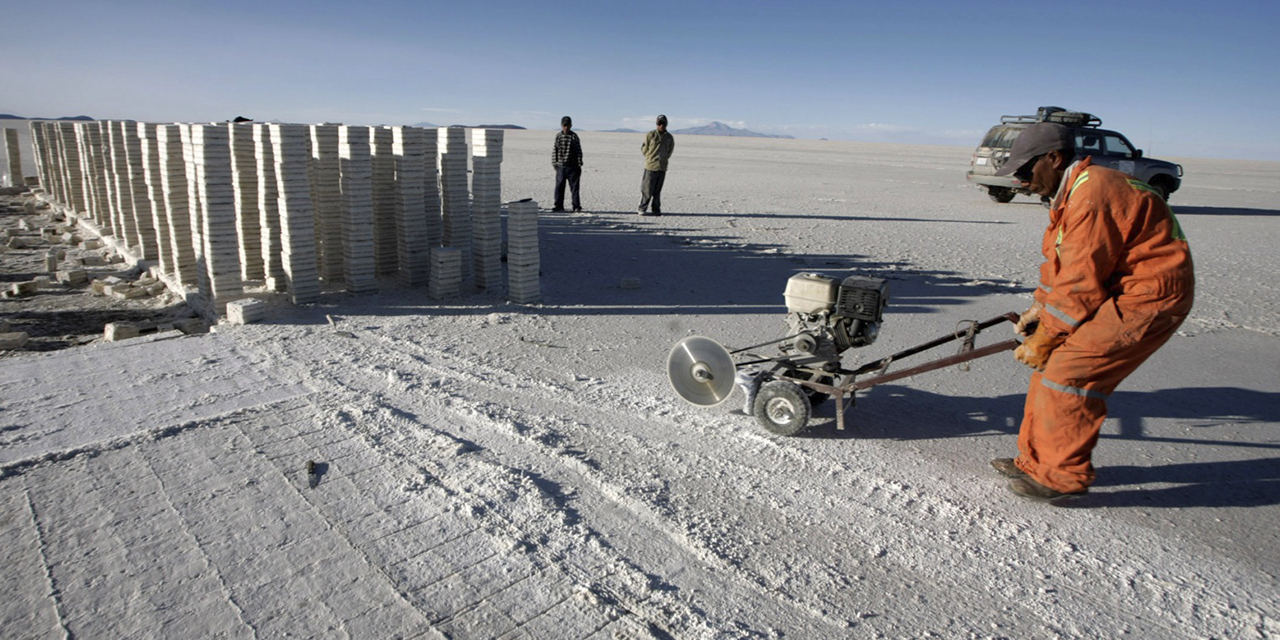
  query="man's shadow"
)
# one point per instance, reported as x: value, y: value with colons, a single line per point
x: 1227, y: 420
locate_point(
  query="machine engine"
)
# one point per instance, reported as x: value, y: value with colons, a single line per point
x: 825, y: 316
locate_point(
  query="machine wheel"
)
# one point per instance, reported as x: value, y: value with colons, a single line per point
x: 782, y: 407
x: 1000, y: 194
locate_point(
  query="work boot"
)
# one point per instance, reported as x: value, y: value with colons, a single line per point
x: 1007, y: 468
x: 1029, y: 488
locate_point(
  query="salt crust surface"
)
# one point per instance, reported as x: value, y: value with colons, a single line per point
x: 484, y: 468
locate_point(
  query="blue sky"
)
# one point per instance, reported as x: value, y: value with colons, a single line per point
x: 1179, y: 78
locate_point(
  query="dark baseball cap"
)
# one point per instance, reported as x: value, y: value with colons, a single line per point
x: 1035, y: 141
x: 662, y: 119
x: 566, y: 121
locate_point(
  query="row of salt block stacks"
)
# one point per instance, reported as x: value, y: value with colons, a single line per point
x: 217, y: 205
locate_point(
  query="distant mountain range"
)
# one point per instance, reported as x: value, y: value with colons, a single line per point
x: 428, y: 125
x: 9, y: 116
x: 622, y: 130
x: 722, y: 129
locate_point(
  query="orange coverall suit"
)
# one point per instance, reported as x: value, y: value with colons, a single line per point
x: 1117, y: 281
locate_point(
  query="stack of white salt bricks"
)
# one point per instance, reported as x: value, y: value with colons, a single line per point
x: 486, y: 207
x: 291, y: 151
x: 382, y: 162
x: 174, y: 191
x: 124, y: 226
x: 246, y: 310
x: 446, y: 273
x: 523, y: 262
x: 211, y: 147
x: 359, y: 268
x: 143, y: 237
x: 156, y: 213
x: 326, y: 195
x: 244, y: 167
x: 268, y: 208
x: 455, y: 201
x: 413, y: 245
x: 96, y: 161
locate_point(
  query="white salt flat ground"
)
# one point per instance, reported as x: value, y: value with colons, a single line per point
x: 493, y: 470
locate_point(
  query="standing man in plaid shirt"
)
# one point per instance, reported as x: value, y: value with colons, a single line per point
x: 566, y: 157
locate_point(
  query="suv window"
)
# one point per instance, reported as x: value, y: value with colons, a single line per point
x: 1088, y: 142
x: 1117, y: 146
x: 1001, y: 137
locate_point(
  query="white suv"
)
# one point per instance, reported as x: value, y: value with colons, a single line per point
x: 1107, y: 148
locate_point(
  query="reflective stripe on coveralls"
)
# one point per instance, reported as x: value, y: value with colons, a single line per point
x: 1117, y: 281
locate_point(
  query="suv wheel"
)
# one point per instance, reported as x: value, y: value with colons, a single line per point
x: 1161, y: 187
x: 1000, y: 194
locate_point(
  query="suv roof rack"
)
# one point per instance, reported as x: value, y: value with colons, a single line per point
x: 1058, y: 115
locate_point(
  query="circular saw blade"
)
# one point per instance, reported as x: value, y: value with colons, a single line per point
x: 701, y: 371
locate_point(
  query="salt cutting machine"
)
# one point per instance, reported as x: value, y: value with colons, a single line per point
x: 825, y: 318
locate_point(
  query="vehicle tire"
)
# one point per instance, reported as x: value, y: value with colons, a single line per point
x: 1000, y: 194
x: 782, y: 407
x: 1161, y: 187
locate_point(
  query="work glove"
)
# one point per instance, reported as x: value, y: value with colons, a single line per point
x: 1029, y: 320
x: 1034, y: 351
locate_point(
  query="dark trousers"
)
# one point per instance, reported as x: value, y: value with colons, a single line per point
x: 571, y: 174
x: 651, y: 189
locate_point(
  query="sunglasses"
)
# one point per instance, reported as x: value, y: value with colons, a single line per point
x: 1024, y: 172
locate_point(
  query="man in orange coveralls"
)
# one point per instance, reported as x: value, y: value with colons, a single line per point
x: 1116, y: 283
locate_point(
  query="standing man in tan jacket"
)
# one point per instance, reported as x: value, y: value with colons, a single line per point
x: 657, y: 148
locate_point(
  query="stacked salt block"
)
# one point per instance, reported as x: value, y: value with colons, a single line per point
x: 446, y: 273
x: 101, y: 193
x: 359, y: 270
x: 431, y: 188
x: 159, y: 216
x: 384, y: 200
x: 291, y: 150
x: 246, y: 311
x: 413, y: 242
x: 486, y: 207
x: 196, y: 211
x: 173, y: 186
x: 455, y: 197
x: 37, y: 140
x: 326, y: 197
x: 15, y: 158
x: 211, y: 147
x: 124, y: 225
x: 60, y: 164
x: 71, y: 167
x: 41, y: 153
x: 86, y: 170
x: 268, y: 208
x: 523, y: 261
x: 52, y: 169
x: 100, y: 138
x: 144, y: 238
x: 244, y: 169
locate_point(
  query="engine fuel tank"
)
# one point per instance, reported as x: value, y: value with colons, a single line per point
x: 810, y: 293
